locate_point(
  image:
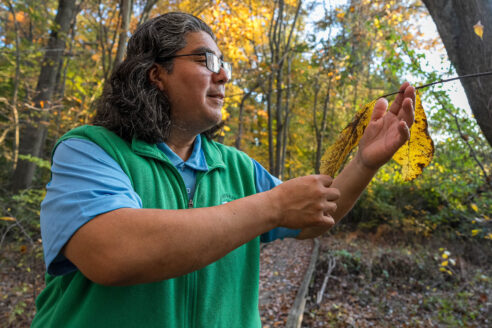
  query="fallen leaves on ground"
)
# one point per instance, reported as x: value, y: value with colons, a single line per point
x: 283, y: 264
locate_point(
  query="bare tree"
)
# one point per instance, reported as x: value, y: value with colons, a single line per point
x: 280, y: 40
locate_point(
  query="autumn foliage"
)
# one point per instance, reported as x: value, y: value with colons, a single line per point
x: 302, y: 71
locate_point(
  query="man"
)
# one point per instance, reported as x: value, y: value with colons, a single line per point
x: 149, y: 223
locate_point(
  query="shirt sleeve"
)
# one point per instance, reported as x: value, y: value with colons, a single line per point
x: 265, y: 181
x: 85, y: 183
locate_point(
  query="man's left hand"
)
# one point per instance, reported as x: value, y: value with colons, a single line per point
x: 388, y: 130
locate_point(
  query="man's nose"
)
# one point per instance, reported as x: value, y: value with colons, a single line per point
x: 222, y: 76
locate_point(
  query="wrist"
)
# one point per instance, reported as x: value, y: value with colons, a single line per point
x: 363, y: 168
x: 271, y: 208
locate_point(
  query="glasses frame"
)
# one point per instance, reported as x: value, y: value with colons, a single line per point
x: 213, y: 62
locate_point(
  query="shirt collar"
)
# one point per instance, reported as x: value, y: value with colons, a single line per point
x: 196, y: 161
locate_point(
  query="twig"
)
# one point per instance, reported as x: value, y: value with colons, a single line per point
x: 441, y: 81
x: 331, y: 265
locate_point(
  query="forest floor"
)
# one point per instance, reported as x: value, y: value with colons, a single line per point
x: 377, y: 280
x: 382, y: 280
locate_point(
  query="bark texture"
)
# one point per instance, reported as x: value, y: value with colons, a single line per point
x: 33, y: 134
x: 467, y: 51
x: 125, y: 14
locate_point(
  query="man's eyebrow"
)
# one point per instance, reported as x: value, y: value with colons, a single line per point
x: 200, y: 50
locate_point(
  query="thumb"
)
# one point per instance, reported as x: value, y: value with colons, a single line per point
x: 379, y: 109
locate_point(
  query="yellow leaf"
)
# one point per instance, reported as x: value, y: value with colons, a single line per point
x: 418, y: 151
x: 413, y: 156
x: 335, y: 155
x: 445, y: 256
x: 226, y: 128
x: 475, y: 232
x: 474, y: 207
x: 478, y: 28
x: 376, y: 22
x: 7, y: 218
x: 444, y: 263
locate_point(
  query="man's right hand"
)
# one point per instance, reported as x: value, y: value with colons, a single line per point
x: 305, y: 202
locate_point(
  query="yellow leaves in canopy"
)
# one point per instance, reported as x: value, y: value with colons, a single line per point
x: 474, y: 207
x: 478, y: 29
x: 418, y: 151
x: 413, y: 156
x: 341, y: 15
x: 376, y: 22
x: 19, y: 17
x: 235, y: 23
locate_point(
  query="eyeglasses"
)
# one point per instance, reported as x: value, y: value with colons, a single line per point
x: 212, y: 62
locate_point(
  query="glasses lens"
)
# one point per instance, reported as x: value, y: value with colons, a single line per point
x: 228, y: 69
x: 213, y: 62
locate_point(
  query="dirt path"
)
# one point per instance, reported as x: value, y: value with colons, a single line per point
x: 283, y: 266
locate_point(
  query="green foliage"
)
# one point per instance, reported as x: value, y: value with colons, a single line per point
x: 457, y: 204
x: 36, y: 160
x: 25, y: 208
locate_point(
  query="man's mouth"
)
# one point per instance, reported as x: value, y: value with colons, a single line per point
x: 216, y: 95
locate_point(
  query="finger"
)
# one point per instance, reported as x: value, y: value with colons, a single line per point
x: 396, y: 105
x: 379, y: 109
x: 408, y: 113
x: 409, y: 93
x: 332, y: 194
x: 330, y: 209
x: 328, y: 221
x: 326, y: 180
x: 404, y: 132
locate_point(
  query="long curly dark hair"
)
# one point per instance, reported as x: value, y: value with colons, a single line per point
x: 132, y: 106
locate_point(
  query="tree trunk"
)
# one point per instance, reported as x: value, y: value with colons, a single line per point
x: 321, y: 131
x: 241, y: 119
x: 280, y: 48
x: 33, y: 134
x: 146, y: 11
x: 15, y: 112
x: 126, y: 14
x: 467, y: 51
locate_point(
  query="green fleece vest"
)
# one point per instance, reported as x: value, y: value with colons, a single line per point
x: 223, y: 294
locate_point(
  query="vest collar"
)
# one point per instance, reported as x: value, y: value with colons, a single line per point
x: 145, y: 149
x: 212, y: 154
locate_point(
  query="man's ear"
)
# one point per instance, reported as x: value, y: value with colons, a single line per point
x: 157, y: 76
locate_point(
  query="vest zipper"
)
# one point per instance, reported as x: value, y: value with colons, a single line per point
x: 193, y: 276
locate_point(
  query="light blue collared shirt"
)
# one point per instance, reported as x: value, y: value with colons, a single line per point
x: 87, y: 182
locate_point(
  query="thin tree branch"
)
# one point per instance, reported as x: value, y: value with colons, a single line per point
x: 442, y: 81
